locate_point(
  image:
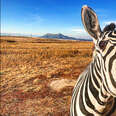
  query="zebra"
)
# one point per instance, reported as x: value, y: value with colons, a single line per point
x: 95, y: 91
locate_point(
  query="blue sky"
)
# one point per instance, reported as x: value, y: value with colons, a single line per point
x: 52, y: 16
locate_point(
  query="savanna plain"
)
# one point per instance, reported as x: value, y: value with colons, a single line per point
x: 37, y: 75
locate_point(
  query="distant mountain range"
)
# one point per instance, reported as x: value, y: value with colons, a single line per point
x: 57, y: 36
x: 48, y: 36
x: 61, y: 36
x: 16, y: 34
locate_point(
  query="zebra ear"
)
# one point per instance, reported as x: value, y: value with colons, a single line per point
x: 90, y: 22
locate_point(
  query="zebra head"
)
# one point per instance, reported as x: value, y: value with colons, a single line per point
x: 105, y: 47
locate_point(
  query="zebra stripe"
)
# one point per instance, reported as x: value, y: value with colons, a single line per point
x: 95, y: 91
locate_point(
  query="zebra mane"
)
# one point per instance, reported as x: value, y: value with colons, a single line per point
x: 110, y: 27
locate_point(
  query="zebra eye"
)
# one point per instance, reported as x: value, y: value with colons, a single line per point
x: 103, y: 44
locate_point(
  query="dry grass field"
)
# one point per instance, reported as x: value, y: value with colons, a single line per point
x: 38, y: 75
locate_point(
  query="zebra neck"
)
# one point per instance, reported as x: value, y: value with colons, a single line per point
x: 99, y: 94
x: 97, y: 79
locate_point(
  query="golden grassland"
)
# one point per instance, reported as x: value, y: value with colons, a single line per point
x: 29, y: 65
x: 18, y: 53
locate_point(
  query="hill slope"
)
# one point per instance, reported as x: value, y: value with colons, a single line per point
x: 61, y: 36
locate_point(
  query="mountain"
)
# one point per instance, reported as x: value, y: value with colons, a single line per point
x: 58, y: 36
x: 61, y: 36
x: 18, y: 34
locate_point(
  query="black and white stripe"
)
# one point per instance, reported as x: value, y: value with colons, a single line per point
x: 95, y: 91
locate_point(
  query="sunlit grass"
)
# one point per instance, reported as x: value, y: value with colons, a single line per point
x: 13, y: 54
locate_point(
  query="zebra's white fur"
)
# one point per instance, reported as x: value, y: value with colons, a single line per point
x: 95, y: 91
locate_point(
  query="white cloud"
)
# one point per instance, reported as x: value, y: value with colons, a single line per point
x: 108, y: 22
x: 78, y: 30
x: 37, y: 18
x: 33, y: 19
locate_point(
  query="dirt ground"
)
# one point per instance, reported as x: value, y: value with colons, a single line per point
x: 28, y: 93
